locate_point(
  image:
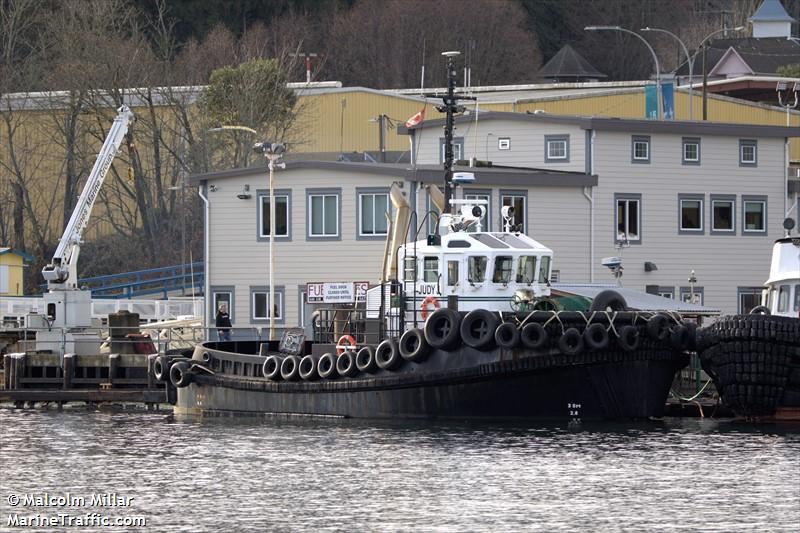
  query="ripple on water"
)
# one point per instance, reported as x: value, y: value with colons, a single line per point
x: 257, y: 475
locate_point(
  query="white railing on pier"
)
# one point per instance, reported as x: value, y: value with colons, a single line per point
x: 14, y: 308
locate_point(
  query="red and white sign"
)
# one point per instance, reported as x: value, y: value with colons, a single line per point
x: 335, y: 292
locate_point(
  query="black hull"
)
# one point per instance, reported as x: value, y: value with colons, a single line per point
x: 595, y: 385
x: 754, y: 361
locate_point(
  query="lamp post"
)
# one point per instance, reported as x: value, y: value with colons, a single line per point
x: 273, y: 152
x: 689, y: 59
x: 652, y: 52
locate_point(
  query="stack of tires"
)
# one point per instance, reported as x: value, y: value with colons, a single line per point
x: 754, y: 361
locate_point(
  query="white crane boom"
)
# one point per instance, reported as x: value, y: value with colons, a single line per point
x: 62, y: 272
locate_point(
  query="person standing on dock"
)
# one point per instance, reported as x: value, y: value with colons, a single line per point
x: 223, y: 323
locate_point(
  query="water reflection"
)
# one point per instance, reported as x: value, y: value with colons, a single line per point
x: 247, y: 474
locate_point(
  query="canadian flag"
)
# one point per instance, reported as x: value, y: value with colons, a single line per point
x: 416, y: 119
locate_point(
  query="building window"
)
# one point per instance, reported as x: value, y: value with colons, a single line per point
x: 692, y: 296
x: 690, y: 207
x: 556, y: 148
x: 487, y: 197
x: 754, y: 214
x: 628, y: 218
x: 640, y: 149
x: 691, y: 151
x: 323, y: 214
x: 519, y: 201
x: 458, y: 149
x: 666, y: 292
x: 749, y: 297
x: 504, y: 143
x: 476, y: 268
x: 221, y: 295
x: 723, y: 214
x: 748, y: 153
x: 282, y: 216
x: 372, y: 209
x: 259, y: 304
x: 430, y: 269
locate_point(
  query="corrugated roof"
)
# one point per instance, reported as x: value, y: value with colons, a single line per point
x: 637, y: 300
x: 23, y: 255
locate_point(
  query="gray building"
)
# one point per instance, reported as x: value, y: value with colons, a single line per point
x: 668, y: 197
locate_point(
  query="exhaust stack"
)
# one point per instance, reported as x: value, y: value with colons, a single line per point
x: 397, y: 231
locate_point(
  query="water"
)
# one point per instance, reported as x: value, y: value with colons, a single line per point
x: 344, y: 475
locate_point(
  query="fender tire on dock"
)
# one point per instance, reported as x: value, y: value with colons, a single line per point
x: 272, y: 367
x: 161, y: 369
x: 326, y: 366
x: 533, y: 336
x: 365, y: 360
x: 413, y: 346
x: 608, y: 299
x: 308, y: 368
x: 658, y: 327
x: 679, y: 337
x: 442, y: 329
x: 507, y: 336
x: 629, y: 338
x: 596, y: 337
x: 571, y: 342
x: 387, y: 355
x: 346, y: 364
x: 180, y: 375
x: 478, y: 327
x: 290, y: 368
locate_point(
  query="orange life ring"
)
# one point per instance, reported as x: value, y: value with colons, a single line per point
x: 424, y: 307
x: 351, y: 344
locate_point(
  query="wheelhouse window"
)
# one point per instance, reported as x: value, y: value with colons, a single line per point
x: 519, y: 203
x: 628, y: 219
x: 260, y: 305
x: 797, y: 297
x: 476, y: 268
x: 748, y: 153
x: 544, y: 269
x: 640, y: 149
x: 691, y: 213
x: 783, y: 298
x: 755, y: 215
x: 452, y: 273
x: 323, y: 215
x: 722, y: 215
x: 372, y: 209
x: 281, y: 216
x: 502, y: 269
x: 430, y: 269
x: 691, y: 151
x: 410, y: 268
x: 556, y: 148
x: 526, y: 269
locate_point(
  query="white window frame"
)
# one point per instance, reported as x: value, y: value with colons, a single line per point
x: 262, y: 204
x: 361, y: 196
x: 504, y: 143
x: 748, y: 144
x: 701, y: 229
x: 644, y: 141
x: 687, y: 143
x: 311, y: 197
x: 458, y: 149
x: 552, y: 143
x: 513, y: 196
x: 627, y: 200
x: 763, y: 216
x: 278, y: 302
x: 732, y: 203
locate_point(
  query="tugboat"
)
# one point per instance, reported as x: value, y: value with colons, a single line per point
x: 754, y: 359
x: 463, y: 325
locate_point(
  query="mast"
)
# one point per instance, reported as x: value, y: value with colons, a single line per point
x: 450, y: 107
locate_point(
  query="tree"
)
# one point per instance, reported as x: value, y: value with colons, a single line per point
x: 252, y: 94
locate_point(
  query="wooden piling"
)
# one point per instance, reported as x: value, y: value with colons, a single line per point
x: 68, y: 369
x: 7, y: 371
x: 113, y: 365
x: 11, y: 370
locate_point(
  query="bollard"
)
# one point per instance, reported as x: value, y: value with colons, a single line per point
x: 6, y: 371
x: 68, y: 368
x: 113, y: 364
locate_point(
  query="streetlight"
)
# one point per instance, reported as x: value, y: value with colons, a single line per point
x: 689, y: 59
x: 273, y: 152
x: 652, y: 52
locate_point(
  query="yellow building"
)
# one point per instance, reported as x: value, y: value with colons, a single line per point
x: 12, y: 271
